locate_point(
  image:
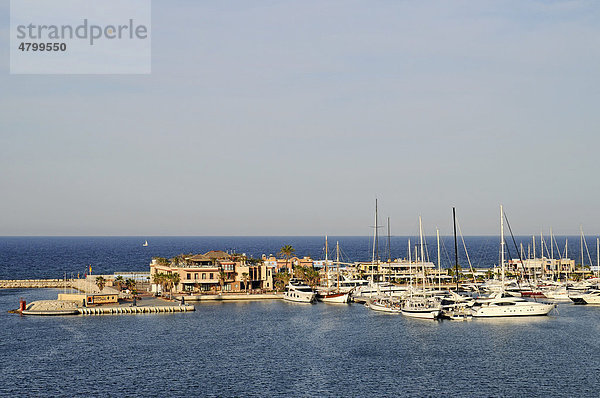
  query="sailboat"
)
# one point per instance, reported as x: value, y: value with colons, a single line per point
x: 333, y: 296
x: 421, y: 306
x: 501, y: 305
x: 145, y: 244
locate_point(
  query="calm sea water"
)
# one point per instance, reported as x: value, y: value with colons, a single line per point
x: 276, y: 348
x: 53, y: 257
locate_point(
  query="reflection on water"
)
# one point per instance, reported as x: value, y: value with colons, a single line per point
x: 265, y: 348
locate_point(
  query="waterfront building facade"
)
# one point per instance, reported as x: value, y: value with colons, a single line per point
x: 214, y: 271
x: 399, y: 270
x: 541, y: 267
x: 282, y: 264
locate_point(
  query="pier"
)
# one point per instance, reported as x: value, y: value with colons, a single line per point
x: 136, y: 310
x: 34, y: 283
x: 231, y: 297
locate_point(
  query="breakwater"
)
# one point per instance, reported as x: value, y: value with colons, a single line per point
x: 34, y: 283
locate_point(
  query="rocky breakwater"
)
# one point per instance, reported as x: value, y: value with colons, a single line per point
x: 34, y: 283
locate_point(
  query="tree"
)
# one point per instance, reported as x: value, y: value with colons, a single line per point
x: 100, y: 282
x: 160, y: 279
x: 161, y: 260
x: 245, y: 278
x: 130, y: 284
x: 119, y: 281
x: 280, y: 280
x: 287, y: 252
x: 175, y: 279
x: 222, y: 278
x: 308, y: 274
x: 253, y: 261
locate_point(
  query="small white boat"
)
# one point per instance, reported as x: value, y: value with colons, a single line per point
x: 557, y: 294
x: 334, y: 297
x: 422, y: 307
x: 299, y: 292
x: 384, y: 305
x: 145, y: 244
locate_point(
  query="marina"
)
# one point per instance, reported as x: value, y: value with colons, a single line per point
x: 384, y: 351
x: 381, y: 354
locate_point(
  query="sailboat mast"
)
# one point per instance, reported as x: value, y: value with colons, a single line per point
x: 502, y: 244
x: 581, y: 242
x: 376, y: 234
x: 389, y: 241
x: 389, y: 253
x: 455, y: 248
x: 437, y: 232
x: 337, y: 260
x: 374, y: 240
x: 551, y: 244
x: 410, y: 264
x: 422, y: 253
x: 326, y: 261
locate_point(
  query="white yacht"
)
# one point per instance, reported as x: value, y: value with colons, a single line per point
x: 368, y: 292
x: 560, y: 293
x: 593, y: 297
x: 498, y: 304
x: 299, y: 292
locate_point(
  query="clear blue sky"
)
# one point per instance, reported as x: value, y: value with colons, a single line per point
x: 290, y: 117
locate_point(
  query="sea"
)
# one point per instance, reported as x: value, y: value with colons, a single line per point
x: 277, y: 348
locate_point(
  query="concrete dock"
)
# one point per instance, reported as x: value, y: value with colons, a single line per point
x: 135, y: 310
x: 230, y: 297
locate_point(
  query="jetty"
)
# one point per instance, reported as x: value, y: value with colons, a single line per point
x: 230, y: 297
x: 35, y: 283
x: 154, y: 309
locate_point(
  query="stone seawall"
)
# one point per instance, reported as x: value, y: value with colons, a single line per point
x: 34, y: 283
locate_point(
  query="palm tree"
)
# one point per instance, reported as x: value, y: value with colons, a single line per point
x: 222, y: 278
x: 308, y: 274
x: 100, y: 282
x: 160, y: 279
x: 175, y: 278
x: 245, y: 278
x: 287, y: 252
x: 119, y: 281
x: 281, y: 279
x: 130, y: 284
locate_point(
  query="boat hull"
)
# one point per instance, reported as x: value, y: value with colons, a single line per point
x: 533, y: 309
x: 421, y: 314
x: 335, y: 298
x: 299, y: 297
x: 387, y: 308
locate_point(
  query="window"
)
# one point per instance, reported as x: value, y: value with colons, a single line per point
x: 196, y: 276
x: 189, y: 276
x: 210, y: 276
x: 203, y: 276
